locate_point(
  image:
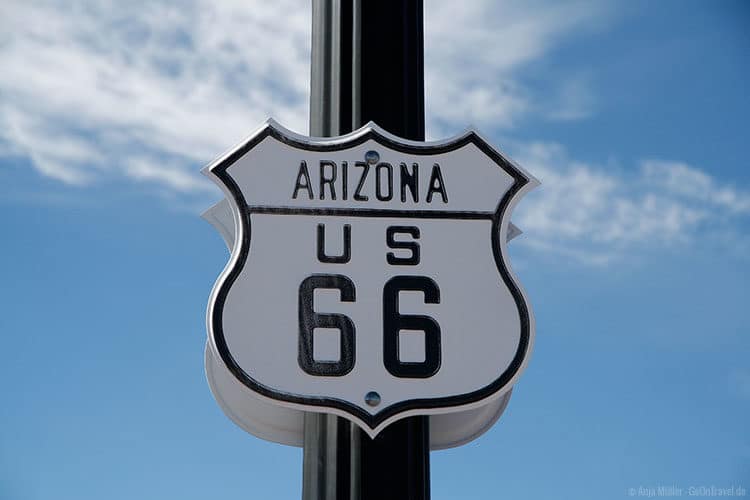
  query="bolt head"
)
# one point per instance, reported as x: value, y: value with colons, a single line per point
x: 372, y: 398
x: 372, y: 157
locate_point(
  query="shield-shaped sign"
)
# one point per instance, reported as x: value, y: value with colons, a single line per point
x: 369, y: 275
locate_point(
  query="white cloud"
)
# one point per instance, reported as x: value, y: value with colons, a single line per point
x: 473, y: 54
x: 65, y: 157
x: 171, y: 176
x: 693, y: 184
x: 86, y: 85
x: 152, y: 91
x: 594, y: 214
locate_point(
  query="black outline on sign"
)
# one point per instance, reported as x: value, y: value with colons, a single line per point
x: 219, y: 169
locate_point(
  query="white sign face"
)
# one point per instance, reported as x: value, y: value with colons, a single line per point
x: 368, y: 277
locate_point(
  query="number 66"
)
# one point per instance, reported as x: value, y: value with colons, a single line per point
x: 393, y: 323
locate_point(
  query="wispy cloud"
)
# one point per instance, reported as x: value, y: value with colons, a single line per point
x: 91, y: 87
x: 692, y: 184
x: 473, y: 78
x: 151, y: 91
x: 595, y: 213
x: 87, y: 85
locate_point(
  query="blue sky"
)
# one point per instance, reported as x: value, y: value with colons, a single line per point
x: 634, y: 253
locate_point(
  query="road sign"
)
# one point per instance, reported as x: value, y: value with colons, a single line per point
x: 280, y: 424
x: 369, y: 276
x: 267, y: 420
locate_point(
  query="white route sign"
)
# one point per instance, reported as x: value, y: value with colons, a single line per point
x: 368, y: 275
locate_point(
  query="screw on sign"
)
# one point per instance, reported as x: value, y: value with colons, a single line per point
x: 369, y: 275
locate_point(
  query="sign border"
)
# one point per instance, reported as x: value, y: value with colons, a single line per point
x: 241, y: 250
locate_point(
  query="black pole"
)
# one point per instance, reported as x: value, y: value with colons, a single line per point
x: 367, y: 65
x: 389, y: 88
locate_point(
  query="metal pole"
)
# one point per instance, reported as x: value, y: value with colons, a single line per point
x: 367, y: 64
